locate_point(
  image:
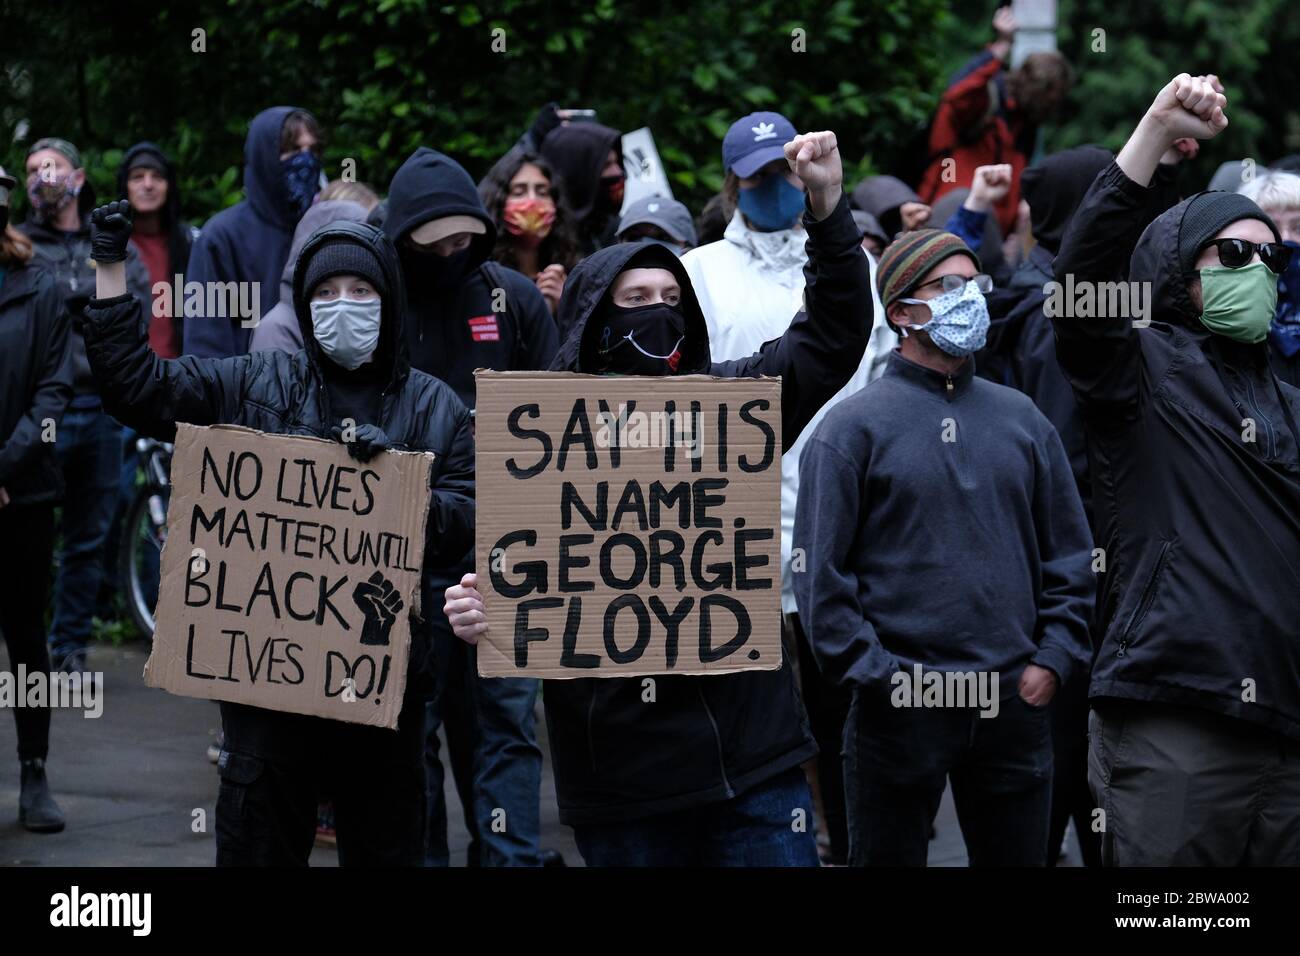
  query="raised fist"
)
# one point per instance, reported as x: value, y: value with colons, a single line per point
x: 1190, y: 106
x: 110, y: 228
x: 815, y: 159
x: 1004, y: 24
x: 988, y: 185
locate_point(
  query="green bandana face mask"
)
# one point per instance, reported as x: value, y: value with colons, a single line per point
x: 1239, y: 303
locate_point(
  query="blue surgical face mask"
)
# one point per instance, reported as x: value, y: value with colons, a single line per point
x: 773, y: 204
x: 959, y: 320
x: 302, y: 179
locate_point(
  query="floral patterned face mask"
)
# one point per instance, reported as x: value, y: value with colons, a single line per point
x: 959, y: 320
x: 530, y: 219
x: 50, y: 194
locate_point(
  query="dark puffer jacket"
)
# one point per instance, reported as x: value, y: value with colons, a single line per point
x: 704, y: 739
x: 285, y: 394
x: 35, y: 383
x: 1200, y: 523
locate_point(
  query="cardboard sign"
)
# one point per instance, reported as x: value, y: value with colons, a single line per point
x: 645, y: 170
x: 628, y: 525
x: 289, y: 573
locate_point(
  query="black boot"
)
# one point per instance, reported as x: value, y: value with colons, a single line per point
x: 37, y: 810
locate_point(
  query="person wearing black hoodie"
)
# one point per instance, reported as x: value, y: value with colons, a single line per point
x: 589, y: 158
x: 1195, y: 465
x: 710, y: 773
x: 147, y: 179
x: 351, y: 380
x: 249, y: 242
x: 35, y: 389
x: 464, y: 312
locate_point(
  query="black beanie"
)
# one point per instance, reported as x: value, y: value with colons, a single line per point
x: 343, y: 257
x: 1204, y: 218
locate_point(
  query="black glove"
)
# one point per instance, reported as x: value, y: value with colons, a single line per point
x: 546, y: 120
x: 110, y: 228
x: 367, y: 441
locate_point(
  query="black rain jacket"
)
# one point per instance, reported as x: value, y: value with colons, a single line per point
x: 280, y: 393
x: 704, y: 739
x: 1200, y: 525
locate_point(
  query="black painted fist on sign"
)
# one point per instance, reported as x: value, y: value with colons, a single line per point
x: 379, y: 602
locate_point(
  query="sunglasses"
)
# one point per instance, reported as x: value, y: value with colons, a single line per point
x: 953, y: 282
x: 1235, y: 253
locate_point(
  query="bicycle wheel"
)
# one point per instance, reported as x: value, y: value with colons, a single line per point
x: 143, y: 534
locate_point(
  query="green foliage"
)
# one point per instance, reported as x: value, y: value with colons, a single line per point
x: 1250, y: 44
x: 385, y: 76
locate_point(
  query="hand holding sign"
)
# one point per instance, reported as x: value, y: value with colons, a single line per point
x: 364, y: 441
x: 464, y: 609
x: 379, y: 602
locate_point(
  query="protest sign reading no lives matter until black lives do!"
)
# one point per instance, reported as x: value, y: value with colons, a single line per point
x: 628, y: 525
x: 289, y: 573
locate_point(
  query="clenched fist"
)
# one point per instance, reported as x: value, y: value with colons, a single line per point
x: 110, y: 228
x: 464, y: 609
x: 1190, y: 106
x: 989, y: 184
x: 815, y: 159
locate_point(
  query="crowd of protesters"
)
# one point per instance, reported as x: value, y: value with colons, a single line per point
x: 989, y: 468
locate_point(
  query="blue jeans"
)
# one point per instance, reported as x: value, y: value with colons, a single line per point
x: 769, y: 825
x: 89, y: 447
x: 506, y: 762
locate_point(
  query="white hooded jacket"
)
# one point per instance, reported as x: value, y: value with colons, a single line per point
x: 750, y: 287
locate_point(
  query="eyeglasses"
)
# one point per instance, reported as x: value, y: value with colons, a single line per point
x: 953, y: 282
x: 1235, y: 253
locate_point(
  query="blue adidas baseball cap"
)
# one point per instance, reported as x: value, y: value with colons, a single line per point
x: 754, y: 141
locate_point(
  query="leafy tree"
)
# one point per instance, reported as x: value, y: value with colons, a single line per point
x: 386, y: 76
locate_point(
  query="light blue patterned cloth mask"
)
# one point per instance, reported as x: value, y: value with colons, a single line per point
x: 959, y: 320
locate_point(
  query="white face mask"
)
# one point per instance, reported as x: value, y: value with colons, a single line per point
x: 347, y: 330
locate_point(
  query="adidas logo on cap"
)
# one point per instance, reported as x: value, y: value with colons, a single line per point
x: 764, y: 131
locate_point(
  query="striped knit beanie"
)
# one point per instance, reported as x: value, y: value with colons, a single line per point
x: 911, y: 256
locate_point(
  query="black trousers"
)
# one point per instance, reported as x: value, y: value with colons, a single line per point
x: 26, y: 549
x: 827, y: 705
x: 897, y: 761
x: 276, y: 767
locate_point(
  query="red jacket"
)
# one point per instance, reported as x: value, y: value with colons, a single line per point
x: 964, y: 130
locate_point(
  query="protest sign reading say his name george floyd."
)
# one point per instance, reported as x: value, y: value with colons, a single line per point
x: 288, y: 574
x: 628, y: 525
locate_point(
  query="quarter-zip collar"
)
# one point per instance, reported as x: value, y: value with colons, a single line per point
x: 949, y: 386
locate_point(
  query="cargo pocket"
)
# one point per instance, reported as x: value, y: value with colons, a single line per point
x: 238, y: 773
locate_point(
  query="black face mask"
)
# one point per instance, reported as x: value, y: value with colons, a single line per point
x: 4, y: 217
x: 646, y: 340
x: 429, y: 274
